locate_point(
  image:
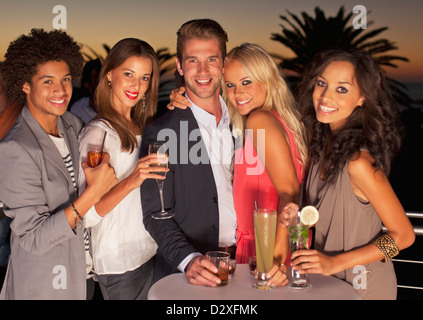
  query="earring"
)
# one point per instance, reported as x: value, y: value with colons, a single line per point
x: 143, y: 103
x: 110, y: 83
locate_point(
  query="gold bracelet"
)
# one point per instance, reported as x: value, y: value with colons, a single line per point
x: 387, y: 246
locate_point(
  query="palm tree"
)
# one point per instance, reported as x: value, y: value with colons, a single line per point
x: 166, y: 64
x: 92, y: 54
x: 310, y: 35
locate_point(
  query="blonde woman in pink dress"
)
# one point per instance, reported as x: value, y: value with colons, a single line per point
x: 266, y: 172
x: 269, y: 167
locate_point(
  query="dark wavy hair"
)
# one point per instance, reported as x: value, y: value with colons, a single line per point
x: 28, y: 52
x: 374, y: 126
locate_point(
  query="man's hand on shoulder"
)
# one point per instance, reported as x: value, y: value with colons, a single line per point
x: 178, y: 100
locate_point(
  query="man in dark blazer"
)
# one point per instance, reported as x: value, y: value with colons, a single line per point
x: 197, y: 187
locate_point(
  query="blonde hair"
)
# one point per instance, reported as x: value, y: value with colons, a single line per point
x: 120, y: 52
x: 261, y: 67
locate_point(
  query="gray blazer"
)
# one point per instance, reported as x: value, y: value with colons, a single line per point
x: 47, y: 259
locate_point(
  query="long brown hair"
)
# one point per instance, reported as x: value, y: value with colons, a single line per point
x: 374, y: 126
x: 120, y: 52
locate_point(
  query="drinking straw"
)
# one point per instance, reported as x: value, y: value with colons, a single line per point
x: 255, y: 204
x: 102, y: 145
x: 300, y: 205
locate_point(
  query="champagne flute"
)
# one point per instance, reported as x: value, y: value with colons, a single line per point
x: 160, y: 148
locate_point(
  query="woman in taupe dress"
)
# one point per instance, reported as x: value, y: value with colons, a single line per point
x: 354, y: 135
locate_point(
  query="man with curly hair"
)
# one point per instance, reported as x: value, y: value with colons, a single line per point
x: 38, y: 169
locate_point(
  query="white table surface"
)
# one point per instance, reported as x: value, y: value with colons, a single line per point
x: 176, y: 287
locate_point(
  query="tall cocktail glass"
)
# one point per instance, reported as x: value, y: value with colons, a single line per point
x: 298, y: 240
x: 265, y: 232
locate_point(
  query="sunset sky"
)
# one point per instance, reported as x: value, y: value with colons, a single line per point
x: 96, y: 22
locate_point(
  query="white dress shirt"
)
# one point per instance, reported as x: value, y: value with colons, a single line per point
x: 219, y: 145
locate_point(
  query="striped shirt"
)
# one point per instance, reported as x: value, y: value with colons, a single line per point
x: 68, y: 162
x: 64, y: 152
x: 67, y: 159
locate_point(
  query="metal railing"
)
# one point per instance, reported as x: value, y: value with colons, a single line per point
x: 416, y: 215
x: 419, y: 232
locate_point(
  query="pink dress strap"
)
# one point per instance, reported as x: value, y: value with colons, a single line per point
x: 253, y: 185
